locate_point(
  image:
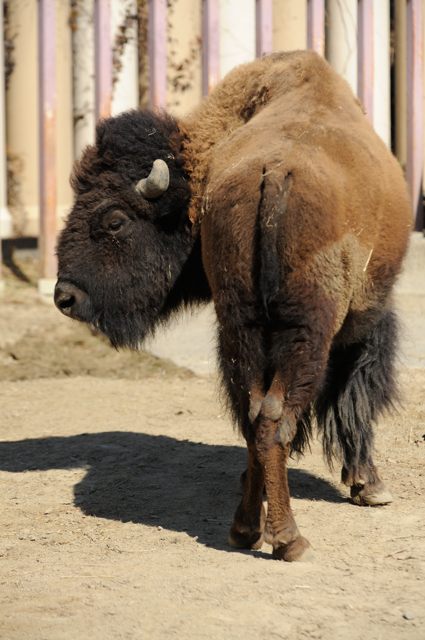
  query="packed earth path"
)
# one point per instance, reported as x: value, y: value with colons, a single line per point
x: 120, y: 476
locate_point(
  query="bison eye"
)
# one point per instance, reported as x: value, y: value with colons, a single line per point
x: 114, y: 225
x: 115, y: 221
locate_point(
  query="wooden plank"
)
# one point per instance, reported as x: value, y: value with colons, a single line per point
x: 103, y: 58
x: 316, y: 26
x: 264, y: 27
x: 47, y: 128
x: 365, y: 56
x: 157, y: 42
x: 210, y: 45
x: 415, y: 132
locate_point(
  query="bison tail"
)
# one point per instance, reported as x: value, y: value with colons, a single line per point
x: 271, y: 209
x: 360, y: 386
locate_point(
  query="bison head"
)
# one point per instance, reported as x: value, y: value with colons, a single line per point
x: 128, y: 236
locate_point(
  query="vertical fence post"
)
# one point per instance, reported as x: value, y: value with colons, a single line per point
x: 5, y: 219
x: 316, y: 26
x: 103, y: 58
x: 264, y: 27
x: 237, y: 37
x: 381, y: 63
x: 210, y: 45
x: 415, y: 151
x: 125, y: 87
x: 157, y: 42
x: 365, y: 56
x: 47, y: 128
x: 83, y: 58
x: 400, y: 133
x: 341, y: 38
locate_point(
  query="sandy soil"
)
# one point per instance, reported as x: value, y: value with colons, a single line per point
x: 119, y: 477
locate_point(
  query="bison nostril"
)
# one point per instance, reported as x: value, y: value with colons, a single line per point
x: 70, y: 299
x: 65, y: 301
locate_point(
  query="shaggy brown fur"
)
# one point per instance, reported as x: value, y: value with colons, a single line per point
x: 346, y: 187
x: 303, y: 207
x: 303, y: 220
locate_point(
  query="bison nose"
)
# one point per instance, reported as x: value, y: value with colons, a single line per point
x: 69, y: 298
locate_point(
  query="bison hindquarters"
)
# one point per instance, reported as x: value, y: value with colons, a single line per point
x: 276, y: 372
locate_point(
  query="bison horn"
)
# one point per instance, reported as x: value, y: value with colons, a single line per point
x: 157, y: 181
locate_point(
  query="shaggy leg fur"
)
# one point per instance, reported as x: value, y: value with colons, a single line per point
x: 300, y: 339
x: 242, y: 364
x: 271, y: 376
x: 359, y: 386
x: 248, y: 525
x: 281, y: 530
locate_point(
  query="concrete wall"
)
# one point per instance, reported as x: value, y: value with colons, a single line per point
x: 64, y: 131
x: 184, y: 33
x: 22, y: 114
x: 289, y: 24
x: 237, y: 41
x: 341, y: 34
x: 75, y: 93
x: 83, y: 74
x: 125, y: 89
x: 237, y: 33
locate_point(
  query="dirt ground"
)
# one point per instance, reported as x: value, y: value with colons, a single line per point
x: 119, y: 476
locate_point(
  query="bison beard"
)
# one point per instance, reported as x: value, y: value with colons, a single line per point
x: 276, y: 199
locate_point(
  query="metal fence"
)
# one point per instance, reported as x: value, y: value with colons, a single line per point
x: 406, y: 44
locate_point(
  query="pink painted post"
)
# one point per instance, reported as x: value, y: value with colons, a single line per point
x: 316, y: 26
x: 365, y: 56
x: 210, y: 45
x: 103, y: 58
x: 415, y: 148
x: 47, y: 124
x: 264, y: 27
x: 157, y: 40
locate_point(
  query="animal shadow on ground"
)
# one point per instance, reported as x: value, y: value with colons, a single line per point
x: 154, y: 480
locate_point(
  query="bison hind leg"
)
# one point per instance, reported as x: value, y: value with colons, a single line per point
x: 242, y: 362
x: 360, y: 385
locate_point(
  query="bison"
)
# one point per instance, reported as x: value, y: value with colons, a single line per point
x: 275, y: 199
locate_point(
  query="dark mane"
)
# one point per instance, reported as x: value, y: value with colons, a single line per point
x: 125, y: 148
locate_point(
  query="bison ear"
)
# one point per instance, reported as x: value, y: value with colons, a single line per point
x: 157, y: 181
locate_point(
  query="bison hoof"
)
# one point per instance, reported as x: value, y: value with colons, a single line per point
x: 244, y: 538
x: 298, y: 549
x: 370, y: 495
